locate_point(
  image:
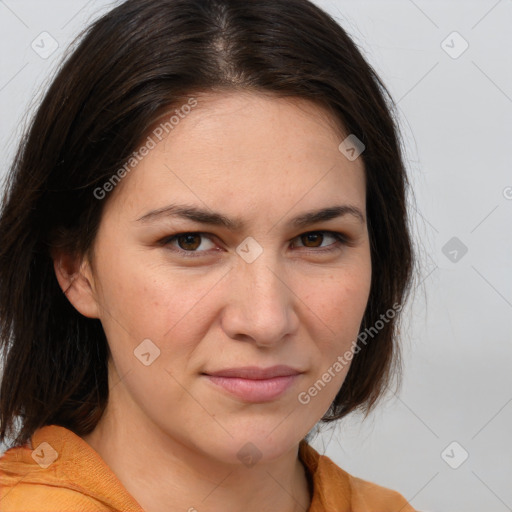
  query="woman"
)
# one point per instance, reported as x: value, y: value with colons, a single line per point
x: 205, y: 250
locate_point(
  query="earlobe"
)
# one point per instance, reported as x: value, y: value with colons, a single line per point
x: 75, y: 279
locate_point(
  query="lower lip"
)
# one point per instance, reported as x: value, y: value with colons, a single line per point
x: 251, y: 390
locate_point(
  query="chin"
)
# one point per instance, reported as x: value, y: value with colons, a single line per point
x: 251, y: 446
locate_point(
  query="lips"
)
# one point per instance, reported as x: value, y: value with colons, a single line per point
x: 256, y: 373
x: 253, y: 384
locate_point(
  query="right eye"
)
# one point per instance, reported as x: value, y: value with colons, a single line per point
x: 187, y: 243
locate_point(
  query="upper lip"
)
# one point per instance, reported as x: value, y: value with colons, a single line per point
x: 256, y: 373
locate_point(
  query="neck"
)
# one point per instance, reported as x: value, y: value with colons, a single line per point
x: 165, y: 474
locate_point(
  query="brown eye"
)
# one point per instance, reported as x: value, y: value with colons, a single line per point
x: 189, y: 241
x: 313, y: 239
x: 322, y: 240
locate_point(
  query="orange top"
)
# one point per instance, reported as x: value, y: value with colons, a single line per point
x: 64, y: 474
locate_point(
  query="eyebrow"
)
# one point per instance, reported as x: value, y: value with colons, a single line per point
x: 209, y: 217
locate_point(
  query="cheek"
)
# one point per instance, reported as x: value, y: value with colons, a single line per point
x: 334, y: 310
x: 143, y: 300
x: 338, y: 300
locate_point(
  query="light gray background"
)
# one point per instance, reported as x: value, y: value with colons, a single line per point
x: 456, y: 115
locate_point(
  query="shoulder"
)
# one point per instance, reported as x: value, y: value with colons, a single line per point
x: 27, y: 487
x: 370, y: 496
x: 33, y: 497
x: 58, y: 471
x: 334, y: 488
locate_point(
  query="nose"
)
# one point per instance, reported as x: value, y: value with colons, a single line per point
x: 261, y: 304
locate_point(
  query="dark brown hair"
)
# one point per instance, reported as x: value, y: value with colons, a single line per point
x: 123, y: 71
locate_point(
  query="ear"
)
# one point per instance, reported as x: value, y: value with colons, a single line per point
x: 75, y: 278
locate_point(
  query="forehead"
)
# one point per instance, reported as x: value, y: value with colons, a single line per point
x: 244, y: 150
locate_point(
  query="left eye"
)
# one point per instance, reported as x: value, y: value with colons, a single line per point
x: 191, y: 243
x: 316, y: 238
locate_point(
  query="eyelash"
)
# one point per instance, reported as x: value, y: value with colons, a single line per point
x: 340, y: 239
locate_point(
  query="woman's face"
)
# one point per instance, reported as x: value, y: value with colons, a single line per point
x: 250, y: 285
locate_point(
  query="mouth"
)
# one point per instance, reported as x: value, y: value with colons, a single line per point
x: 253, y: 384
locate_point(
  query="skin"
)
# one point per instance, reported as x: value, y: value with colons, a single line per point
x: 264, y: 160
